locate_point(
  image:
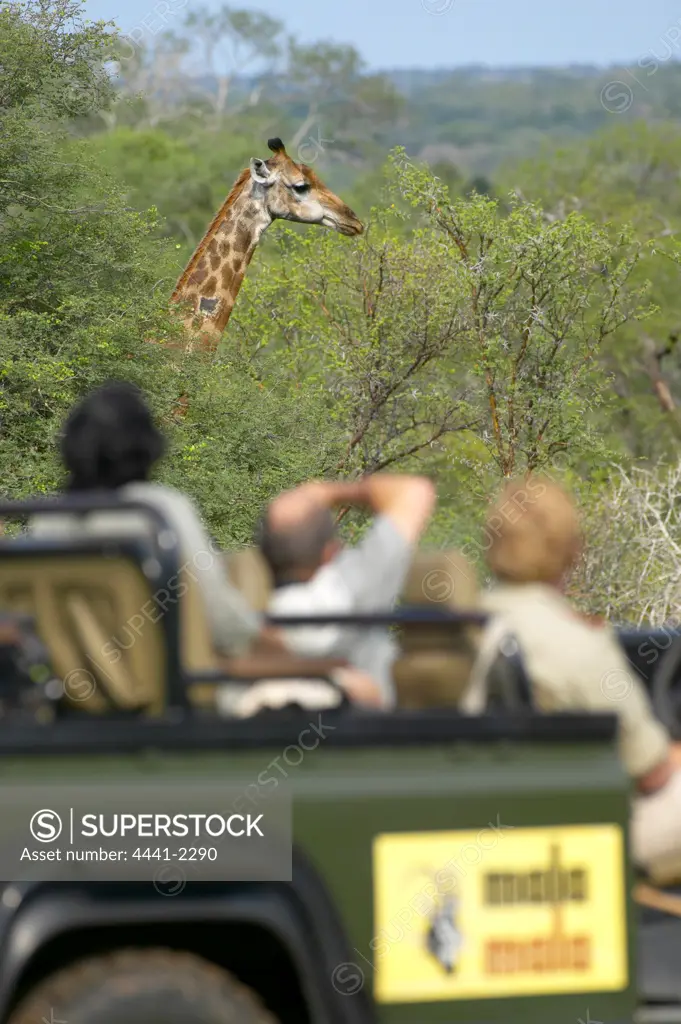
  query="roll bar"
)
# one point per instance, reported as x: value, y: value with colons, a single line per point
x: 168, y: 545
x: 168, y: 562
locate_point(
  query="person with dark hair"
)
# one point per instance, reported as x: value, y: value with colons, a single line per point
x: 110, y: 443
x: 110, y: 439
x: 294, y: 553
x: 315, y: 575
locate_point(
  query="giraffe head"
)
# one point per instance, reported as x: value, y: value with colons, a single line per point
x: 292, y: 191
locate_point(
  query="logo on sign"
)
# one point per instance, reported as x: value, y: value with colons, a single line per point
x: 555, y: 886
x: 543, y: 912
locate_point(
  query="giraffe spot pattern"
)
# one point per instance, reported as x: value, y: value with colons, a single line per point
x: 200, y: 273
x: 242, y: 239
x: 210, y: 286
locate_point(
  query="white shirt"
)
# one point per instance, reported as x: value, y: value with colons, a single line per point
x: 364, y: 579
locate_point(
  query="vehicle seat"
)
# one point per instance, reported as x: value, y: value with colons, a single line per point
x: 250, y: 573
x: 508, y: 687
x: 499, y: 680
x: 88, y: 610
x: 97, y: 615
x: 435, y: 664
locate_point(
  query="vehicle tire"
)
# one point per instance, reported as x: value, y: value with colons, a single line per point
x: 142, y: 986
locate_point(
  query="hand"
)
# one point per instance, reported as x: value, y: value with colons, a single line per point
x: 293, y: 505
x: 359, y: 686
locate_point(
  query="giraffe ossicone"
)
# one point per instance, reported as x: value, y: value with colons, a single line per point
x: 267, y: 190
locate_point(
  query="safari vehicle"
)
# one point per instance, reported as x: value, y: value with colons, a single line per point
x: 444, y: 868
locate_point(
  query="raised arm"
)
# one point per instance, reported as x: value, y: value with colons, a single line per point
x: 408, y: 501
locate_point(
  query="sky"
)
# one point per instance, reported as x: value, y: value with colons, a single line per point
x: 450, y: 33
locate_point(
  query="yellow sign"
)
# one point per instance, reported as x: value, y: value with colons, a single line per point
x: 499, y: 912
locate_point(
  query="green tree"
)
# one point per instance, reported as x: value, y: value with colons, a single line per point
x: 454, y: 337
x: 232, y: 40
x: 77, y: 268
x: 535, y: 300
x: 475, y: 338
x: 326, y: 86
x: 627, y: 174
x: 83, y: 296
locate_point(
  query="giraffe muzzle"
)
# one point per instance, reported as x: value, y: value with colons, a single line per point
x: 344, y: 226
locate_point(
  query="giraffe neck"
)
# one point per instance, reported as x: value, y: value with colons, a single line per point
x: 217, y: 269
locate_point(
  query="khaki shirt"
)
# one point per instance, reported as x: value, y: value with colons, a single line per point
x: 576, y: 666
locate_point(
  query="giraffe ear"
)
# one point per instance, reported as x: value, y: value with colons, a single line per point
x: 260, y: 172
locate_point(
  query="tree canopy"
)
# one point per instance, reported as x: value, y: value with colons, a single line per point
x: 497, y: 315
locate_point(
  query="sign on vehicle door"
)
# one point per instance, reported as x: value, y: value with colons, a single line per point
x: 499, y: 912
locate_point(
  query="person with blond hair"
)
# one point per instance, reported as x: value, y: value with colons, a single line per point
x: 532, y: 542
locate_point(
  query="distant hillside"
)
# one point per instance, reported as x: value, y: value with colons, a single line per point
x: 411, y: 81
x: 477, y: 117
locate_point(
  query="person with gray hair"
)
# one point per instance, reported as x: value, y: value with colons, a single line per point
x: 314, y: 574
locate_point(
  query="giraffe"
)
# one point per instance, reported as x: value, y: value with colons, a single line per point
x: 267, y: 190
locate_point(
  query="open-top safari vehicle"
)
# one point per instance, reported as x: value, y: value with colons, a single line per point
x: 444, y: 868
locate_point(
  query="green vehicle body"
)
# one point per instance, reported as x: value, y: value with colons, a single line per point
x: 348, y: 790
x: 311, y: 947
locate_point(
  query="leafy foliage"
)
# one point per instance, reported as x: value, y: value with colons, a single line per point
x: 631, y: 567
x: 477, y: 329
x: 628, y: 174
x: 474, y: 337
x: 80, y: 299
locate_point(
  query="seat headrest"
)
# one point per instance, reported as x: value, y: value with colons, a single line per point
x: 435, y: 665
x: 444, y: 578
x: 250, y: 573
x: 426, y: 679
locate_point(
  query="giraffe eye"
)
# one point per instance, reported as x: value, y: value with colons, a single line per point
x: 301, y: 190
